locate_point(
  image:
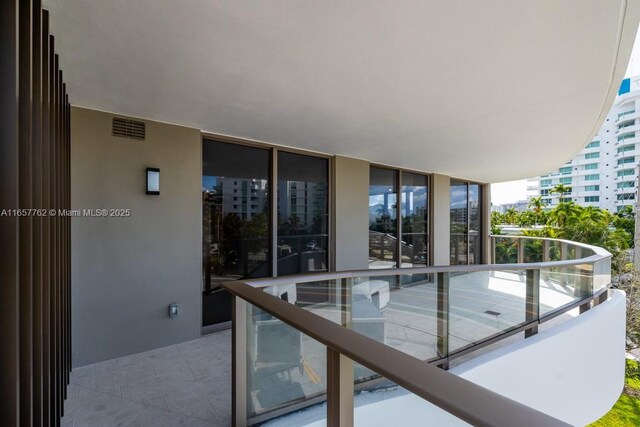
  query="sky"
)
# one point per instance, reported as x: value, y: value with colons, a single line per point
x: 512, y: 191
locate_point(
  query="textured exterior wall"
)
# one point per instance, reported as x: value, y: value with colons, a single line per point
x: 127, y: 270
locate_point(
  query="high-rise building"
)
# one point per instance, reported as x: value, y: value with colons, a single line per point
x: 604, y: 174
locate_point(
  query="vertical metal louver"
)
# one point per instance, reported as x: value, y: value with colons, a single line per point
x: 126, y: 128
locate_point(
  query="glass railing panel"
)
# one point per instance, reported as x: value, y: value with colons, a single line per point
x: 533, y: 250
x: 329, y: 299
x: 601, y: 274
x: 483, y: 304
x: 397, y: 310
x: 284, y: 366
x: 554, y: 251
x: 506, y: 250
x: 560, y: 286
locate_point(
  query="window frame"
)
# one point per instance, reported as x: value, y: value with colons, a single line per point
x: 481, y: 220
x: 398, y: 190
x: 273, y: 193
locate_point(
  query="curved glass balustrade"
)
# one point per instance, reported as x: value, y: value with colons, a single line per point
x: 432, y: 314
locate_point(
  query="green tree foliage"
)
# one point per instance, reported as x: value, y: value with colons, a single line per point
x: 562, y: 190
x: 628, y: 280
x: 511, y: 216
x: 569, y: 221
x: 496, y: 219
x: 625, y: 220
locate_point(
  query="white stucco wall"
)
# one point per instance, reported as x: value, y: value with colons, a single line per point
x: 573, y: 371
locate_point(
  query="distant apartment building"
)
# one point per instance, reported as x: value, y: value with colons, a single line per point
x: 604, y: 174
x: 520, y: 205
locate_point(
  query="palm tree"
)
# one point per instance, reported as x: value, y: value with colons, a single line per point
x: 537, y: 204
x: 561, y: 189
x: 593, y: 214
x: 564, y: 214
x: 511, y: 216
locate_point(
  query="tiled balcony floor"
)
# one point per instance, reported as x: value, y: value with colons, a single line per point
x: 188, y: 384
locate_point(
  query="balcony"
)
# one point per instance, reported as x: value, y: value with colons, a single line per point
x: 324, y: 338
x: 627, y: 115
x: 627, y: 139
x: 627, y: 153
x: 627, y: 129
x: 101, y: 291
x: 366, y: 335
x: 625, y: 190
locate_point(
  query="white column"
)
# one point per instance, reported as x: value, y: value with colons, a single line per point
x: 351, y: 213
x: 440, y: 189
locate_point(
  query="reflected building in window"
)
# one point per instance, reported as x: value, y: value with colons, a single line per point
x: 465, y: 222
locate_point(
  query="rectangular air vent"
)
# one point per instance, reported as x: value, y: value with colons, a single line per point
x: 126, y: 128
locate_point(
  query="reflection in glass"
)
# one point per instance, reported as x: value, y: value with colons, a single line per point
x: 382, y: 218
x: 284, y: 366
x: 564, y: 285
x: 458, y: 223
x: 302, y: 214
x: 485, y: 303
x: 413, y: 210
x: 235, y: 202
x: 466, y: 223
x: 533, y: 250
x: 506, y: 250
x: 475, y: 242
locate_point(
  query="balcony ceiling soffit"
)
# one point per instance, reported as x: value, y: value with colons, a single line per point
x: 489, y: 91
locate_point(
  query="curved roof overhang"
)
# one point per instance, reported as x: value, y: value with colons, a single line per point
x: 488, y: 91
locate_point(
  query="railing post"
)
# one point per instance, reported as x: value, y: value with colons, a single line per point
x: 578, y: 252
x: 239, y: 363
x: 493, y: 249
x: 533, y: 301
x: 583, y: 286
x: 339, y: 389
x: 520, y: 251
x: 545, y: 251
x: 601, y: 298
x: 344, y: 293
x: 443, y: 318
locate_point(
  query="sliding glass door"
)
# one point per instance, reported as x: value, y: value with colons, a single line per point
x: 383, y: 217
x: 414, y: 213
x: 393, y: 242
x: 239, y: 203
x: 465, y: 223
x: 236, y: 206
x: 303, y: 222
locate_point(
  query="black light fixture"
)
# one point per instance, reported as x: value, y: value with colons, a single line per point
x: 153, y: 181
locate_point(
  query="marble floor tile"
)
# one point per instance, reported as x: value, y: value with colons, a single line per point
x: 155, y: 388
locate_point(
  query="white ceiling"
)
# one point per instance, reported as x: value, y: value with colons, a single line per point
x: 484, y: 90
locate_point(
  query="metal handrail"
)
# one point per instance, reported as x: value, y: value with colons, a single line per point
x: 599, y: 255
x: 456, y: 395
x: 453, y: 394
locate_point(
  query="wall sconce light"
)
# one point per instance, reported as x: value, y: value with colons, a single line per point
x: 153, y: 181
x: 173, y: 310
